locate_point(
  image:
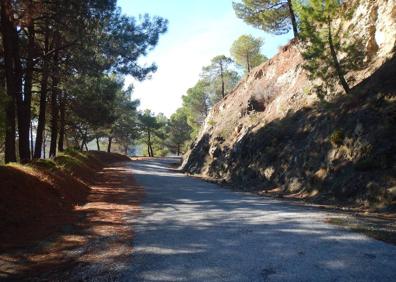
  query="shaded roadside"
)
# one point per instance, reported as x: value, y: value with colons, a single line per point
x: 96, y: 246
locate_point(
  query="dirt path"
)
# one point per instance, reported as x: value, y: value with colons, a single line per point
x: 190, y: 230
x: 98, y: 247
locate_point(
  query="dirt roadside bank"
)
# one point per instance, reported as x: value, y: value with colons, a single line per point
x: 97, y: 245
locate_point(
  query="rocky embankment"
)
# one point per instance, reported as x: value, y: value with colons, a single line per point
x: 269, y: 133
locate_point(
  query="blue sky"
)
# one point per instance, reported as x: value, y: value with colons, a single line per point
x: 198, y: 30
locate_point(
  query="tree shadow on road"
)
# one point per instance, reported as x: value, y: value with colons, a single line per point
x: 193, y: 230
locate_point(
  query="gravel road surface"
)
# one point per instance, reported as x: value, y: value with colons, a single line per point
x: 191, y: 230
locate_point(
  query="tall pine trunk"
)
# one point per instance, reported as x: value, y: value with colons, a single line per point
x: 336, y: 63
x: 24, y: 101
x: 293, y: 18
x: 54, y: 118
x: 12, y: 78
x: 97, y: 143
x: 82, y: 144
x: 248, y: 62
x: 149, y: 149
x: 43, y: 99
x: 109, y: 145
x: 44, y: 144
x: 62, y: 109
x: 9, y: 144
x: 222, y: 81
x: 54, y: 99
x: 84, y: 139
x: 31, y: 139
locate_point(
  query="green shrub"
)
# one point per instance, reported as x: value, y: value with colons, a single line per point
x: 68, y: 162
x: 211, y: 122
x: 71, y: 150
x: 46, y: 164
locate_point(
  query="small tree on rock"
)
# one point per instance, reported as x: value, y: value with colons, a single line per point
x: 221, y: 77
x: 329, y: 52
x: 218, y: 68
x: 246, y: 52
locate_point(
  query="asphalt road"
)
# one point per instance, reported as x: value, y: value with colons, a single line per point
x: 190, y: 230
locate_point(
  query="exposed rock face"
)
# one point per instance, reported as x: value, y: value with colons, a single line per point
x: 270, y: 133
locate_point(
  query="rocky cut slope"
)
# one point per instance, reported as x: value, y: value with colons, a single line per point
x: 270, y: 134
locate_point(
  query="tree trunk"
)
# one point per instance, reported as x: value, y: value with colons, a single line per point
x: 67, y: 143
x: 76, y: 141
x: 24, y: 101
x: 9, y: 34
x: 23, y: 132
x: 293, y: 18
x: 31, y: 139
x: 149, y: 151
x: 54, y: 100
x: 43, y: 100
x: 222, y: 81
x: 82, y: 144
x: 9, y: 146
x: 248, y: 62
x: 109, y: 145
x: 23, y: 128
x: 178, y: 149
x: 336, y: 63
x: 97, y: 143
x: 84, y: 139
x: 62, y: 122
x: 54, y: 119
x: 44, y: 144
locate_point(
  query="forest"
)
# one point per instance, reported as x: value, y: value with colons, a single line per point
x: 245, y: 140
x: 63, y: 74
x: 64, y: 65
x: 63, y: 68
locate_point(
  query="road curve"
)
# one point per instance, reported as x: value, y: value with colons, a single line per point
x: 190, y: 230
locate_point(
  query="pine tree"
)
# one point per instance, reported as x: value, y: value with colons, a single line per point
x: 246, y: 52
x: 196, y: 104
x: 329, y: 52
x: 220, y: 76
x: 149, y: 126
x: 179, y: 131
x: 275, y: 16
x: 218, y: 67
x: 47, y: 44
